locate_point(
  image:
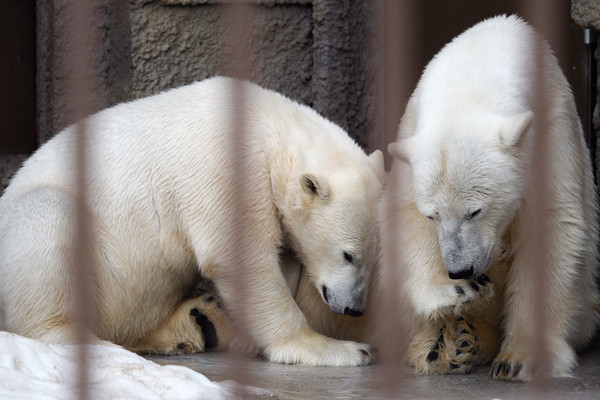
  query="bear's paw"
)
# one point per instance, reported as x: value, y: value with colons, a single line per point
x: 517, y: 363
x: 452, y: 350
x: 197, y: 325
x: 510, y: 367
x: 476, y: 289
x: 314, y: 349
x: 453, y: 297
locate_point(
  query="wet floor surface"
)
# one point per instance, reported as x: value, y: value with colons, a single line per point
x: 375, y: 381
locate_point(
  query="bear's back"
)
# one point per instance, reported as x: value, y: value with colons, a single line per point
x: 187, y: 134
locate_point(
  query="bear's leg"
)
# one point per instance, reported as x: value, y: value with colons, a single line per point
x: 453, y: 345
x: 270, y: 321
x: 197, y: 325
x: 517, y: 360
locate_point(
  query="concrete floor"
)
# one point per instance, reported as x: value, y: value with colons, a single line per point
x: 314, y: 383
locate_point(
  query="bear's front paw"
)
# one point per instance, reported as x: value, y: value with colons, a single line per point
x: 440, y: 300
x: 510, y: 367
x: 517, y: 361
x: 452, y: 351
x: 318, y: 350
x: 478, y: 288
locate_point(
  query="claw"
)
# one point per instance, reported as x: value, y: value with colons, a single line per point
x: 507, y: 369
x: 498, y: 367
x: 439, y: 341
x: 517, y: 369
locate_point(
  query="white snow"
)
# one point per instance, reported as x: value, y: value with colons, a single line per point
x: 30, y: 369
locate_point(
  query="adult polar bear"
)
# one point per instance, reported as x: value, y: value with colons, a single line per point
x: 161, y: 187
x: 460, y: 196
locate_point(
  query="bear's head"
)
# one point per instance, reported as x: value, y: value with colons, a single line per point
x: 468, y: 177
x: 331, y: 224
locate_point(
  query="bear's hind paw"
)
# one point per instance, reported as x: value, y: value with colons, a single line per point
x: 198, y: 324
x: 452, y: 352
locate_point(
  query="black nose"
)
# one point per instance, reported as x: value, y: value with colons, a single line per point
x: 352, y: 313
x: 325, y: 294
x: 464, y: 274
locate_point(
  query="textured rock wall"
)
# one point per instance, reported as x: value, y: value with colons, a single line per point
x: 174, y: 45
x: 586, y: 13
x: 108, y: 60
x: 312, y: 51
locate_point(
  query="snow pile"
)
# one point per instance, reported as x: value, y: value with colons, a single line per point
x: 30, y: 369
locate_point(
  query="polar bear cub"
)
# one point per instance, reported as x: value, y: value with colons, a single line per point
x: 461, y: 203
x: 166, y: 199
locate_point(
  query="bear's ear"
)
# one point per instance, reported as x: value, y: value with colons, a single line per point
x: 400, y: 149
x: 314, y: 186
x: 514, y: 129
x: 376, y: 163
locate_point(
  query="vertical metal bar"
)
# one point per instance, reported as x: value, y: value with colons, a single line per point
x: 543, y: 15
x: 237, y: 16
x: 400, y: 61
x: 399, y: 52
x: 79, y: 92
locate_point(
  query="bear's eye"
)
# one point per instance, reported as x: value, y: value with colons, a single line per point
x: 473, y: 214
x: 430, y: 217
x: 348, y: 257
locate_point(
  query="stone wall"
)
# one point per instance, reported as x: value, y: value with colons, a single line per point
x: 586, y: 13
x: 319, y: 52
x: 314, y: 51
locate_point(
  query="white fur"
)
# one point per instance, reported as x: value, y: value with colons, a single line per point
x: 465, y: 144
x: 166, y: 200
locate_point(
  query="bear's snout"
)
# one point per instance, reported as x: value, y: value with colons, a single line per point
x: 464, y: 256
x: 345, y: 303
